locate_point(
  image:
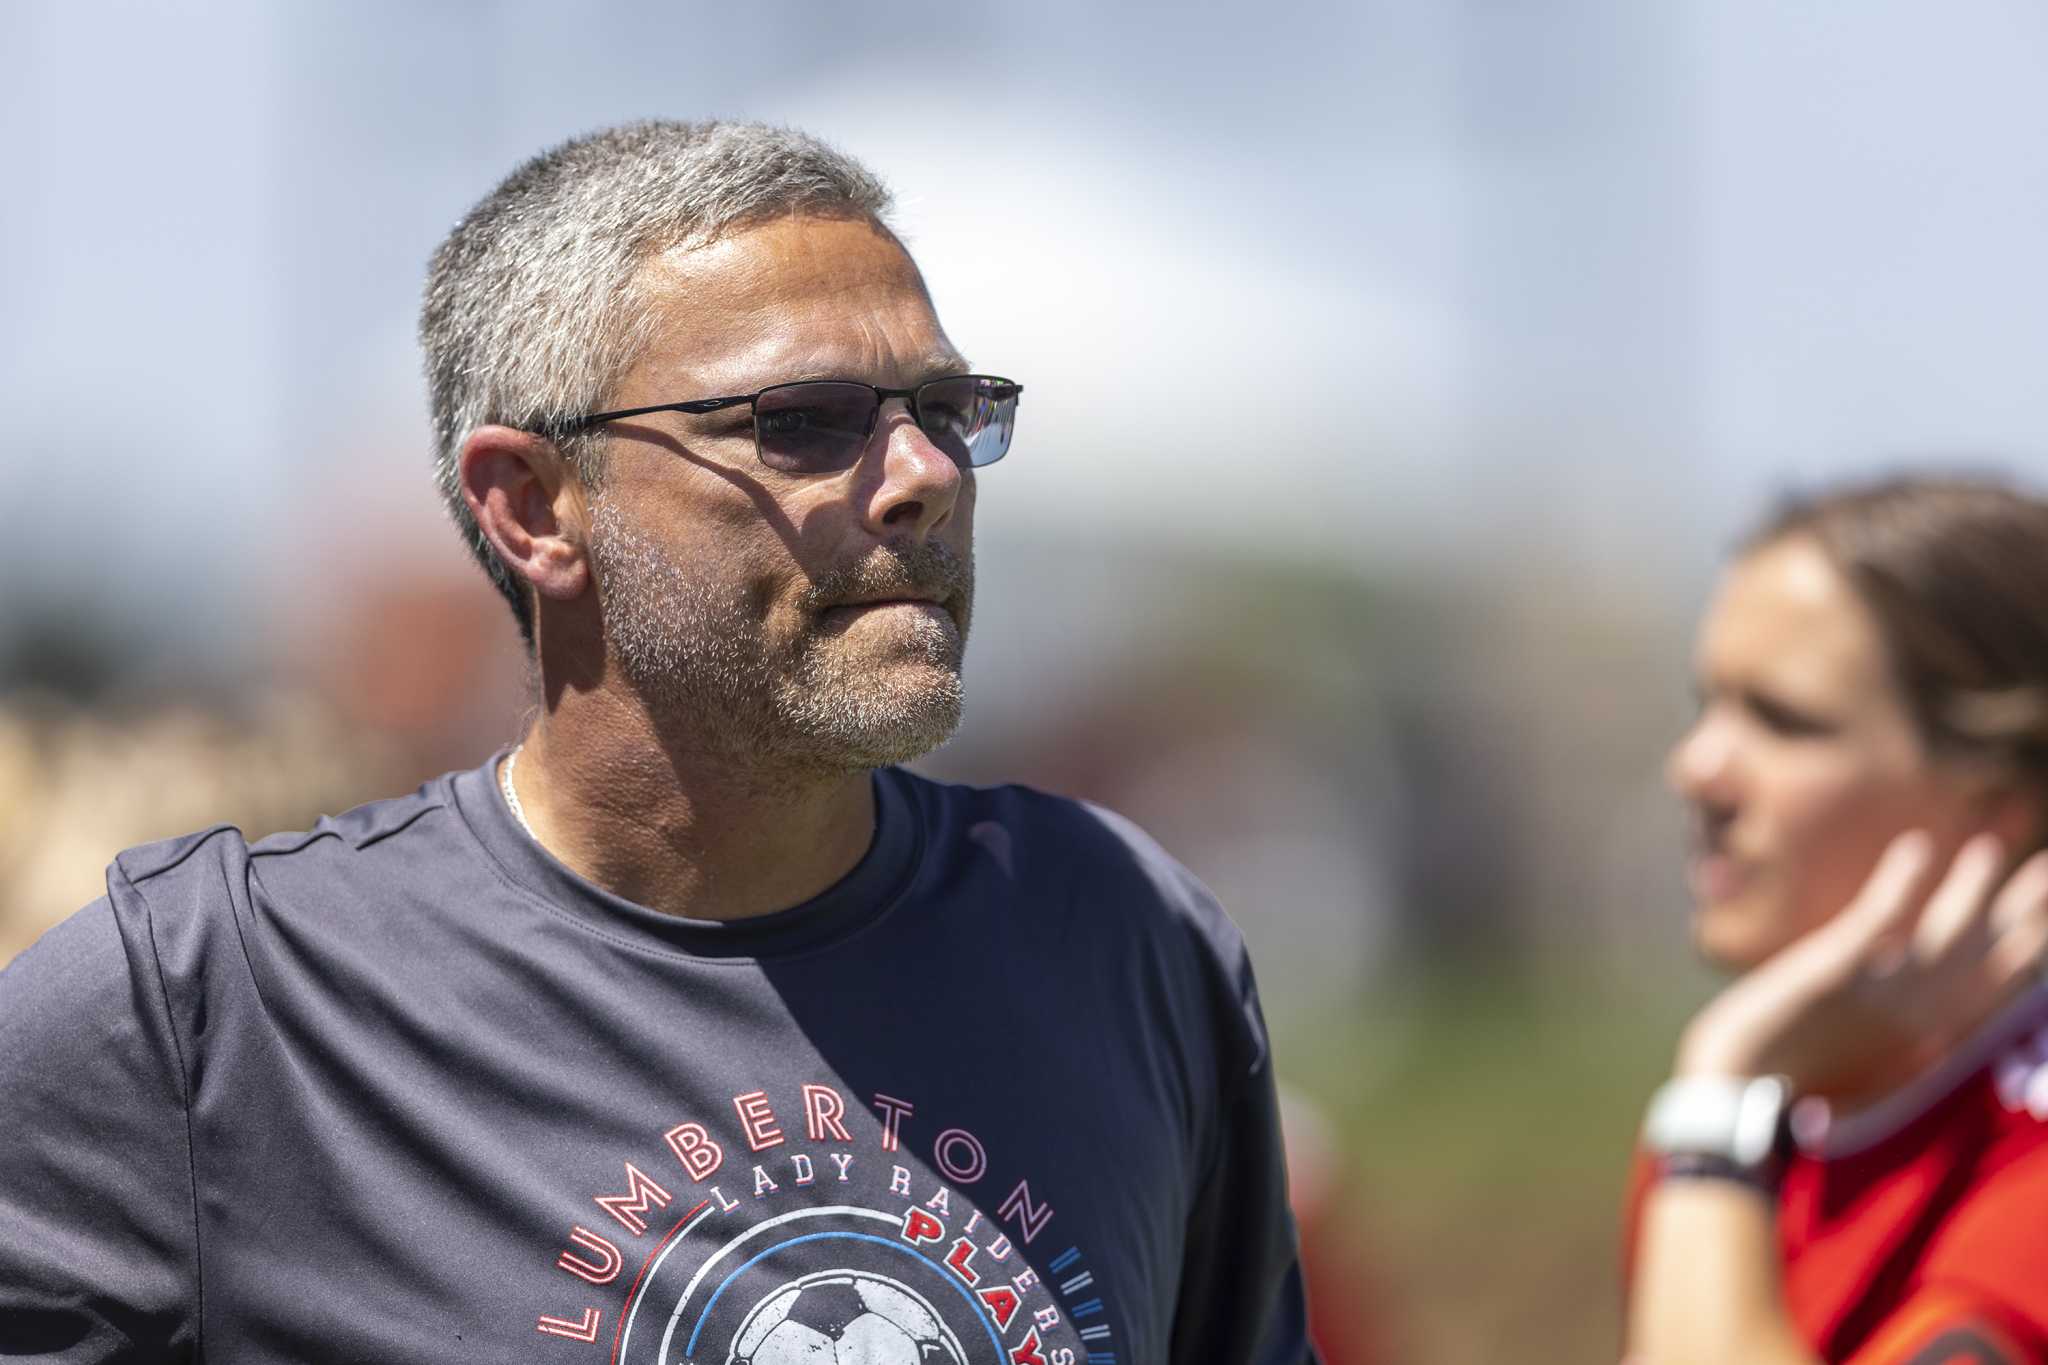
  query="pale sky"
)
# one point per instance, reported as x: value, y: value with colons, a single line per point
x: 1420, y: 287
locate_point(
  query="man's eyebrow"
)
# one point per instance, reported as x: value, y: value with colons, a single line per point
x: 942, y: 364
x: 937, y: 365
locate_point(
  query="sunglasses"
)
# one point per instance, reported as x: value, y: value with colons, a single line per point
x: 821, y: 426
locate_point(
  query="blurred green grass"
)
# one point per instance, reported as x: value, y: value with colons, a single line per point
x: 1486, y: 1117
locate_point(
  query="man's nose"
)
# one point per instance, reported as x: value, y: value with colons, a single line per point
x: 920, y: 484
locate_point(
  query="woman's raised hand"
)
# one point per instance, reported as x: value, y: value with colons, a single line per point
x: 1891, y: 984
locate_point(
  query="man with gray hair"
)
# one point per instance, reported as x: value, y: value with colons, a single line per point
x: 689, y: 1028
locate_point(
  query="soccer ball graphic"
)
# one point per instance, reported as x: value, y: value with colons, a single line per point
x: 844, y: 1317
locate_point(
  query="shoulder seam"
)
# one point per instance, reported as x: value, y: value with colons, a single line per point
x: 184, y: 1090
x: 199, y: 840
x: 329, y: 830
x: 306, y: 839
x: 402, y: 826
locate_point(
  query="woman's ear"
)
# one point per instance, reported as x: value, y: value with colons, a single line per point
x: 528, y: 506
x: 2014, y: 809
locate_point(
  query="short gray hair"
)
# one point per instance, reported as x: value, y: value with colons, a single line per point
x: 530, y: 316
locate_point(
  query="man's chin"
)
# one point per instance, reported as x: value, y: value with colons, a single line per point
x: 897, y: 713
x: 881, y: 747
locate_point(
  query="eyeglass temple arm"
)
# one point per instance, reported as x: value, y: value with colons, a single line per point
x: 697, y: 405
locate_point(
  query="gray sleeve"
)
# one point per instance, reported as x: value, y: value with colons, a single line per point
x: 98, y: 1246
x: 1241, y: 1300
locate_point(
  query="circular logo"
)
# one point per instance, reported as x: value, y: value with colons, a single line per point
x: 831, y: 1285
x: 845, y: 1317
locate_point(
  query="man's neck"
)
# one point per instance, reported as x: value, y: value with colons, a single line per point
x: 677, y: 825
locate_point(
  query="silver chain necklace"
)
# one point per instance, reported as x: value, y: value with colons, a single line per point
x: 512, y: 795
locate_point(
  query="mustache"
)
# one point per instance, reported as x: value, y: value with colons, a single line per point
x: 898, y: 569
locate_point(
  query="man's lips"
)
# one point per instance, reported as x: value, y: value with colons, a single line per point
x: 926, y: 605
x: 912, y: 599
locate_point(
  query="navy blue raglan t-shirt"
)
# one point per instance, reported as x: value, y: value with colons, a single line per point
x: 405, y: 1088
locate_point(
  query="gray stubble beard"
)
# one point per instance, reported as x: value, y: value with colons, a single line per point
x: 696, y: 653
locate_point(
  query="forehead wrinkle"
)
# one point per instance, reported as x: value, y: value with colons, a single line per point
x: 739, y: 319
x: 769, y: 361
x: 761, y: 348
x: 771, y: 266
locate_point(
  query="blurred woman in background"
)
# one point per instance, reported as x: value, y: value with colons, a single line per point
x: 1850, y: 1162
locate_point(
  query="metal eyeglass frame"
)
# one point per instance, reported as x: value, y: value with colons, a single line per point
x: 1007, y: 390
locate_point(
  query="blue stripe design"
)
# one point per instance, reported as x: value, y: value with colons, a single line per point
x: 1085, y: 1310
x: 691, y: 1350
x: 1064, y: 1259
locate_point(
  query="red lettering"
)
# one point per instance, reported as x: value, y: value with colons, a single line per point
x: 1031, y: 1217
x: 894, y: 1111
x: 582, y: 1329
x: 641, y: 1194
x: 696, y: 1149
x: 757, y: 1120
x: 603, y: 1270
x: 1001, y: 1302
x: 960, y: 1155
x: 823, y: 1110
x: 957, y: 1261
x: 1027, y: 1352
x: 919, y: 1226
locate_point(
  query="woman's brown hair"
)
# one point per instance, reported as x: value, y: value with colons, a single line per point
x: 1956, y: 573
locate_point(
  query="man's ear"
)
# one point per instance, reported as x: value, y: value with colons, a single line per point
x: 528, y: 506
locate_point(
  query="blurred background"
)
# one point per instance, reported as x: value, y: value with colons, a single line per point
x: 1399, y: 371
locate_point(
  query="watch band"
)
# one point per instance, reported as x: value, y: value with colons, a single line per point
x: 1693, y: 1166
x: 1698, y: 1123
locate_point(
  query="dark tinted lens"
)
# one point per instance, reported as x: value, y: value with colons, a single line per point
x: 970, y: 417
x: 813, y: 428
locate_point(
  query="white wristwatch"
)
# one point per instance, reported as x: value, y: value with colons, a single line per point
x: 1739, y: 1120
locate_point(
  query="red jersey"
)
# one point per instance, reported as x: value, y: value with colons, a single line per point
x: 1917, y: 1233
